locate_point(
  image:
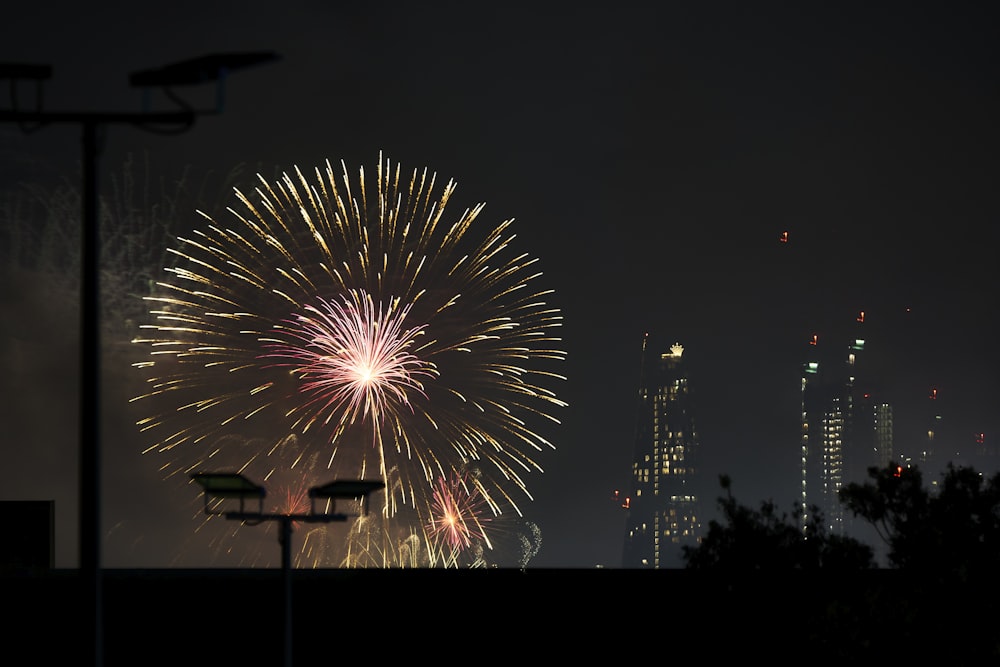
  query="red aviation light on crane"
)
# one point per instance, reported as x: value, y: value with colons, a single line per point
x: 980, y: 438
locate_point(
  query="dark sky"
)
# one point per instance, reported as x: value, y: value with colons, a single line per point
x: 651, y: 156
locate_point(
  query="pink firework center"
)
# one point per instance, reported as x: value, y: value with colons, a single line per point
x: 352, y: 359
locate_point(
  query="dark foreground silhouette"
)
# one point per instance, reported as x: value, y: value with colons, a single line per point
x: 236, y: 617
x: 939, y: 596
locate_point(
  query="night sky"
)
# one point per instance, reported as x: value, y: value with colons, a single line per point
x: 651, y: 156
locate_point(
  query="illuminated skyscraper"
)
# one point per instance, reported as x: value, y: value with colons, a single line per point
x: 827, y: 409
x: 663, y: 507
x: 845, y: 430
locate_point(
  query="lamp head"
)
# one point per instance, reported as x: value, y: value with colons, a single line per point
x: 199, y: 70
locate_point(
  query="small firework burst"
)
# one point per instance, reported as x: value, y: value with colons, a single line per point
x: 457, y: 520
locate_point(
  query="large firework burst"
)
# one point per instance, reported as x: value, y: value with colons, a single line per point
x: 360, y: 320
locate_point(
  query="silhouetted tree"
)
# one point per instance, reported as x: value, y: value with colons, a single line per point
x: 765, y: 539
x: 938, y: 593
x: 952, y: 531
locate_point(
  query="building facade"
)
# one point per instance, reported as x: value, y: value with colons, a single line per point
x: 845, y: 429
x: 663, y: 506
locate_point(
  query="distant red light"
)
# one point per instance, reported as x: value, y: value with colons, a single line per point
x: 783, y: 238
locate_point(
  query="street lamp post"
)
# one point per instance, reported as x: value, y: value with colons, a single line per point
x: 218, y: 486
x: 214, y: 67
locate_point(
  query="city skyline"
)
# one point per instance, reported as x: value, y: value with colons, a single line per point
x: 738, y: 181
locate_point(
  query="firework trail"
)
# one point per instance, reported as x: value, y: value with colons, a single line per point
x: 354, y: 316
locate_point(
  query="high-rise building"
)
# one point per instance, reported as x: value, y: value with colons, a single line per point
x: 874, y: 436
x: 844, y: 430
x: 664, y: 509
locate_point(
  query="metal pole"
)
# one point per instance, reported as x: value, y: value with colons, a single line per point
x: 90, y: 313
x: 90, y: 391
x: 286, y: 572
